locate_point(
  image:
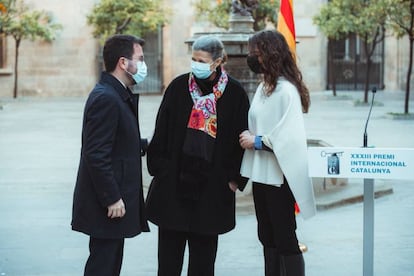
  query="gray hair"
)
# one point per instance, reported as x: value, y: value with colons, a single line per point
x: 210, y: 44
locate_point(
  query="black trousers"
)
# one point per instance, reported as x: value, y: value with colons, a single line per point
x: 276, y: 221
x: 171, y: 248
x: 105, y: 257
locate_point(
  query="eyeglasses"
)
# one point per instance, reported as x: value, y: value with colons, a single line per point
x: 140, y: 58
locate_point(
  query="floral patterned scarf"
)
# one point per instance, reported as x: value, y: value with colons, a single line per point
x: 203, y: 116
x: 198, y: 147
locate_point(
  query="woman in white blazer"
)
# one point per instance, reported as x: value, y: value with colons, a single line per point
x: 275, y: 159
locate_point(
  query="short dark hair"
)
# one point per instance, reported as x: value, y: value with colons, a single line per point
x: 118, y: 46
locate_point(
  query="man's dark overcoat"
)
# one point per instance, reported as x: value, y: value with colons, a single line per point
x: 110, y: 164
x: 214, y: 211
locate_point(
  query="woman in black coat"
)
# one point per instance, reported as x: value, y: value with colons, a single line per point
x: 195, y: 159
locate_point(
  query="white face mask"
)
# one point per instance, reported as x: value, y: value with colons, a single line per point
x: 200, y: 69
x: 141, y: 73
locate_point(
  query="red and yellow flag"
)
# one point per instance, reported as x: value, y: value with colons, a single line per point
x: 297, y: 209
x: 286, y: 24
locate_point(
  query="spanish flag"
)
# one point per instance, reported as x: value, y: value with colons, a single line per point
x: 286, y: 24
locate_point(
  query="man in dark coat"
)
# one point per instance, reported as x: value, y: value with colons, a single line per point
x: 108, y: 203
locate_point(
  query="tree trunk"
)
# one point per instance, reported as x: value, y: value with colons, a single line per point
x: 366, y: 86
x: 332, y: 71
x: 367, y: 80
x: 407, y: 85
x: 379, y: 36
x: 120, y: 29
x: 16, y: 66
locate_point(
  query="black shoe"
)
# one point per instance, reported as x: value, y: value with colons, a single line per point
x: 293, y: 265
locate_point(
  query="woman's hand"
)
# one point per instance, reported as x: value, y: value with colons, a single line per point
x: 246, y: 140
x: 233, y: 186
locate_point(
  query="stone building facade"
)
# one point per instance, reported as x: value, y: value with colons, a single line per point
x: 69, y: 65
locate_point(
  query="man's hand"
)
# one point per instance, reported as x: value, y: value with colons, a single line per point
x: 116, y: 210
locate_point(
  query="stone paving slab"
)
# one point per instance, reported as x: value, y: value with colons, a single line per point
x: 39, y: 150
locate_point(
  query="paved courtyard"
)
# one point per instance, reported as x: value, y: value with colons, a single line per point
x: 39, y: 150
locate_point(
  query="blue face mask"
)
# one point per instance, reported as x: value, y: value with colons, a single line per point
x: 200, y: 69
x: 141, y: 73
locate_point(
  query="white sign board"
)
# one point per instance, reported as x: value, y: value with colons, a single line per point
x: 375, y: 163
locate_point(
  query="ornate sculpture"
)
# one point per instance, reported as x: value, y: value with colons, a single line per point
x: 245, y: 7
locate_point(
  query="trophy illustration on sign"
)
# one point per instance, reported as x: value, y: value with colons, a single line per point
x: 333, y: 161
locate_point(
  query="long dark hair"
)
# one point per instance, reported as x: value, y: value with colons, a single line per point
x: 278, y: 61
